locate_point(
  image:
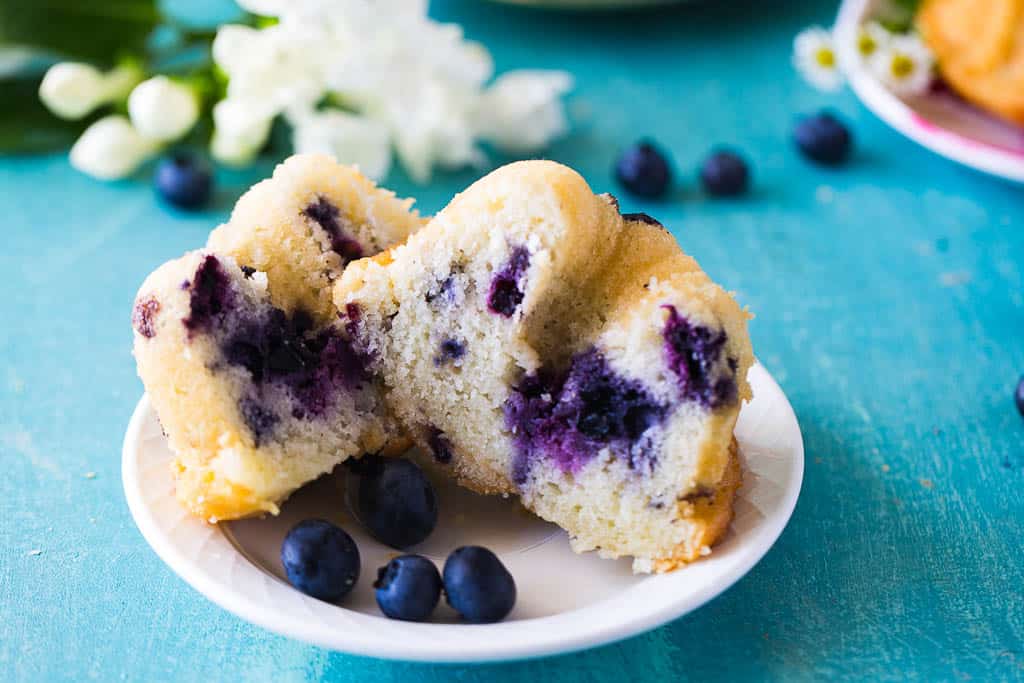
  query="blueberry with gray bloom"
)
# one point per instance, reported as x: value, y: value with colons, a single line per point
x: 320, y: 559
x: 408, y: 588
x: 397, y: 503
x: 1019, y: 396
x: 478, y: 585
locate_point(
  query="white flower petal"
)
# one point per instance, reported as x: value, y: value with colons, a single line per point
x: 162, y: 109
x: 110, y: 148
x: 241, y: 128
x: 871, y: 38
x: 72, y: 90
x: 905, y: 66
x: 522, y: 110
x: 234, y: 47
x: 417, y: 80
x: 814, y: 56
x: 350, y: 139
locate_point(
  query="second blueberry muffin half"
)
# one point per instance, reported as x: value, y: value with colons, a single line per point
x: 536, y: 342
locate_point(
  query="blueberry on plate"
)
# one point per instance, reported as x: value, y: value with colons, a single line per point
x: 396, y: 503
x: 408, y: 588
x: 184, y: 181
x: 320, y: 559
x: 643, y: 170
x: 823, y: 138
x: 1019, y: 396
x: 725, y: 174
x: 477, y: 585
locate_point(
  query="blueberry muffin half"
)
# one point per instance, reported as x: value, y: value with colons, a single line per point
x: 536, y: 342
x: 251, y: 372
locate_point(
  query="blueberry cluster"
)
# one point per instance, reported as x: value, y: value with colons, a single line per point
x: 397, y: 505
x: 643, y: 169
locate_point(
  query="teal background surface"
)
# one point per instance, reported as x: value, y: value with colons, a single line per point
x: 889, y: 306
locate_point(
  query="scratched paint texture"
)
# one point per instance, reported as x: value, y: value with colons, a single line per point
x: 889, y: 305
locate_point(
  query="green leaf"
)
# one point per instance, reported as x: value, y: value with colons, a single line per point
x: 26, y: 126
x: 88, y: 30
x: 897, y: 15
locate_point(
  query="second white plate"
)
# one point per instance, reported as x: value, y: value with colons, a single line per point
x: 565, y: 601
x: 940, y: 121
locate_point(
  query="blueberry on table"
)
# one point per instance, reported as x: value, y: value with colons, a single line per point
x: 408, y: 588
x: 184, y: 181
x: 320, y: 560
x: 725, y: 174
x: 823, y: 138
x: 478, y: 586
x: 397, y: 503
x: 643, y: 170
x: 1019, y: 396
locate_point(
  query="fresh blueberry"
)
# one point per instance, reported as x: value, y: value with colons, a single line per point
x: 823, y: 138
x: 408, y: 588
x: 643, y: 170
x: 320, y: 559
x: 1019, y: 396
x: 184, y: 181
x: 725, y: 174
x: 477, y: 585
x: 397, y: 503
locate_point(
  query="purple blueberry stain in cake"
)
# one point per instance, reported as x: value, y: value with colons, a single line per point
x: 353, y: 316
x: 446, y: 290
x: 440, y: 447
x: 210, y: 295
x: 695, y: 355
x: 448, y: 351
x: 144, y: 316
x: 248, y: 271
x: 642, y: 218
x: 506, y: 291
x: 284, y: 351
x: 258, y: 419
x: 568, y: 419
x: 328, y: 217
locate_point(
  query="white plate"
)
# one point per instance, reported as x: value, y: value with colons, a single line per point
x: 942, y: 122
x: 566, y: 602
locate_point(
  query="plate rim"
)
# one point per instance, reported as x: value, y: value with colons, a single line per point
x: 899, y: 116
x: 513, y: 640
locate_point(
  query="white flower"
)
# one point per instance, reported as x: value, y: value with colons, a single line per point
x: 72, y: 90
x: 163, y: 109
x: 814, y: 56
x: 430, y: 125
x: 905, y: 65
x: 241, y: 128
x: 110, y: 148
x: 872, y: 37
x: 350, y: 139
x: 233, y: 47
x: 407, y: 81
x: 281, y: 65
x: 522, y: 110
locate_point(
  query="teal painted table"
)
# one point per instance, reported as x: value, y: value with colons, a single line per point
x: 890, y: 306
